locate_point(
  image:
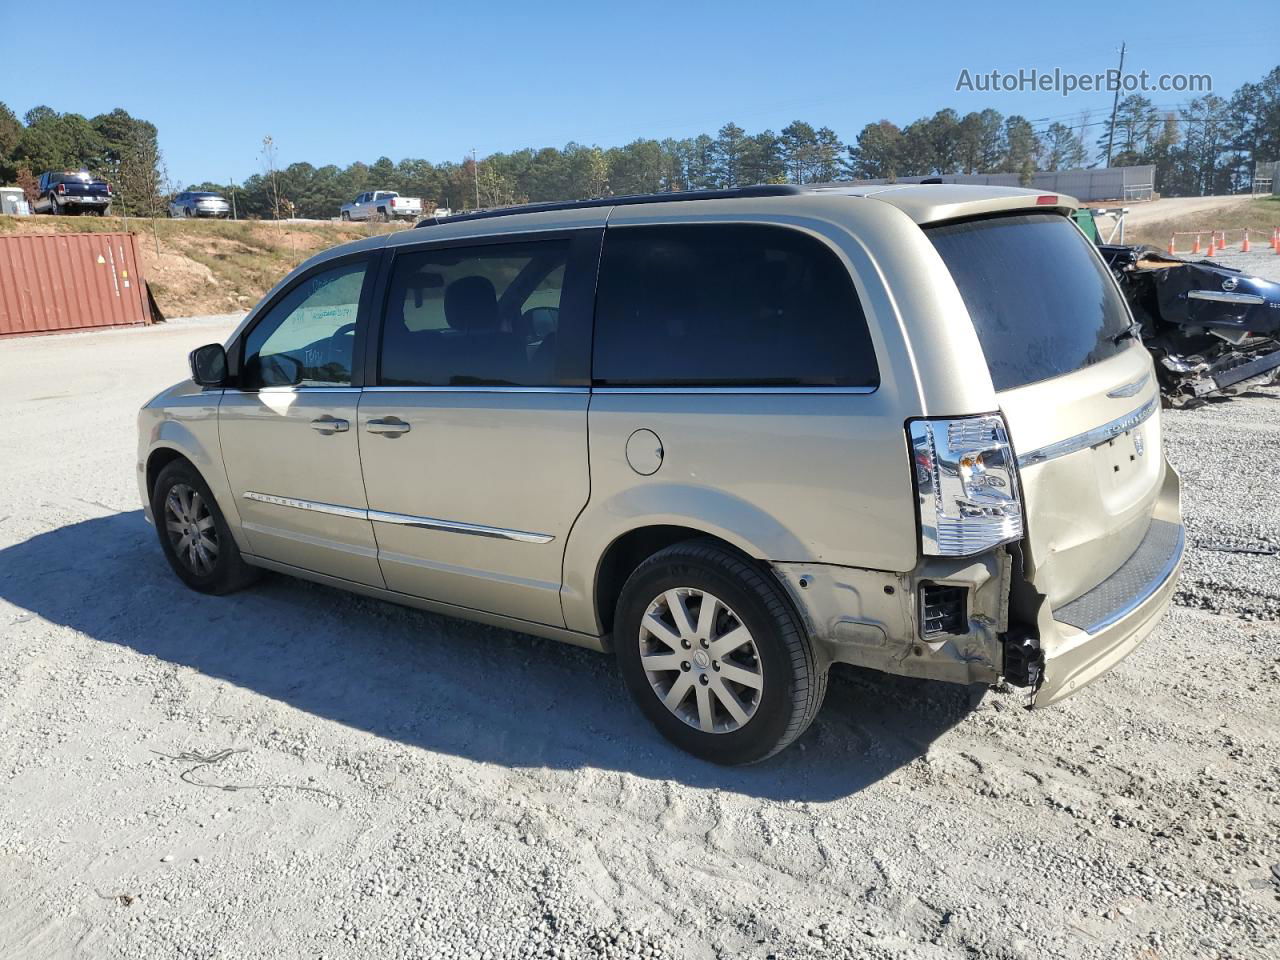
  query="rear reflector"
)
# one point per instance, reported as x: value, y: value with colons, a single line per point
x: 1046, y: 200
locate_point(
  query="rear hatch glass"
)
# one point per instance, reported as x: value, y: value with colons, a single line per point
x: 1079, y: 397
x: 1041, y: 302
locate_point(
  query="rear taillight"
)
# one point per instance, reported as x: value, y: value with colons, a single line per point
x: 108, y: 189
x: 62, y: 188
x: 966, y: 485
x: 393, y: 201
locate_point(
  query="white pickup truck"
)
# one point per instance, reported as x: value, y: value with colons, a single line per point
x: 382, y: 205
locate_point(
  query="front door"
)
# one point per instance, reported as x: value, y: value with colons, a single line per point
x: 474, y: 440
x: 288, y: 432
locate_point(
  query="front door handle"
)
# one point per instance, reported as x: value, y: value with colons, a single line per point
x: 327, y: 424
x: 389, y: 427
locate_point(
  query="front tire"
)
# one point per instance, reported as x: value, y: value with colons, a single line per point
x: 194, y: 534
x: 714, y: 655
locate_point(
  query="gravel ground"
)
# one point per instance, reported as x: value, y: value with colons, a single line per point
x: 1260, y: 261
x: 294, y: 771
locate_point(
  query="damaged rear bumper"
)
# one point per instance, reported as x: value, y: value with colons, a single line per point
x: 1087, y: 636
x: 1093, y: 633
x: 876, y: 619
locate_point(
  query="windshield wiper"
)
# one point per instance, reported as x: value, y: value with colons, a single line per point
x: 1132, y: 330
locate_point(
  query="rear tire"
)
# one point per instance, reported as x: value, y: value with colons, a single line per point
x: 194, y: 534
x: 733, y: 683
x: 344, y: 216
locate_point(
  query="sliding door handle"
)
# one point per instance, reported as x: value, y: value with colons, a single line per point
x: 389, y: 427
x: 328, y: 424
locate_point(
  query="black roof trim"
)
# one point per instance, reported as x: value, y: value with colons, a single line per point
x: 760, y: 190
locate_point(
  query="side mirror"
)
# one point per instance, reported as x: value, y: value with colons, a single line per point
x: 208, y: 365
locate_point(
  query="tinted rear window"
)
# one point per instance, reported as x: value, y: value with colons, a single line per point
x: 727, y: 305
x: 1041, y: 301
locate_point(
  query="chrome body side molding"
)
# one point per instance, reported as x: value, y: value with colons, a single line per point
x: 401, y: 519
x: 452, y: 526
x: 337, y: 510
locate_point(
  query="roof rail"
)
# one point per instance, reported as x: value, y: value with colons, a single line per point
x: 759, y: 190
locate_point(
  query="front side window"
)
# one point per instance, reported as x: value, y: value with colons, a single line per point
x: 308, y: 337
x: 475, y: 316
x: 727, y: 305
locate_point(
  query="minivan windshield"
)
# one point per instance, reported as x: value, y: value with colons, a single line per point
x: 1041, y: 301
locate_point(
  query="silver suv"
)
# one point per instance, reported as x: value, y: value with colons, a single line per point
x: 732, y: 437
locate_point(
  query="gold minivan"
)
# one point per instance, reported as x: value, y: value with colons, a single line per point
x: 732, y: 437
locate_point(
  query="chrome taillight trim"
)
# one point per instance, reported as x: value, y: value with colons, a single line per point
x: 989, y: 493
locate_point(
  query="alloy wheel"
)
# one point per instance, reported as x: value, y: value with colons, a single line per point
x: 701, y: 660
x: 189, y: 524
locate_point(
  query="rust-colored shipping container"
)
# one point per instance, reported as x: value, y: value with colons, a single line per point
x: 70, y: 281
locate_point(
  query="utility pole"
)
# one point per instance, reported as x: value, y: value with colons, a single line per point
x: 1115, y: 105
x: 233, y: 198
x: 475, y: 173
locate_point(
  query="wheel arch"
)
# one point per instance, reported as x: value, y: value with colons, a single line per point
x: 158, y: 459
x: 193, y: 438
x: 632, y: 548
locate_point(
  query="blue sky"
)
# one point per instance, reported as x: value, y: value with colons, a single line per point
x: 337, y: 82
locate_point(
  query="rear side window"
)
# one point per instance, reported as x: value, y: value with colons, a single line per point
x: 1041, y: 302
x: 727, y: 305
x: 475, y: 316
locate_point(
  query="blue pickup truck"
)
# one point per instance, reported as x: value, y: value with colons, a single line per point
x: 72, y: 193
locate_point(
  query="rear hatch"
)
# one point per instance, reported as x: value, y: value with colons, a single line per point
x: 1076, y: 388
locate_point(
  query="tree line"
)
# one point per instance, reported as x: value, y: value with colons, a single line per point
x: 1207, y: 145
x: 117, y: 146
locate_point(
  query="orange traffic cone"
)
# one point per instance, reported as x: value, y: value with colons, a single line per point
x: 1211, y: 251
x: 1244, y: 244
x: 1196, y: 246
x: 1174, y: 240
